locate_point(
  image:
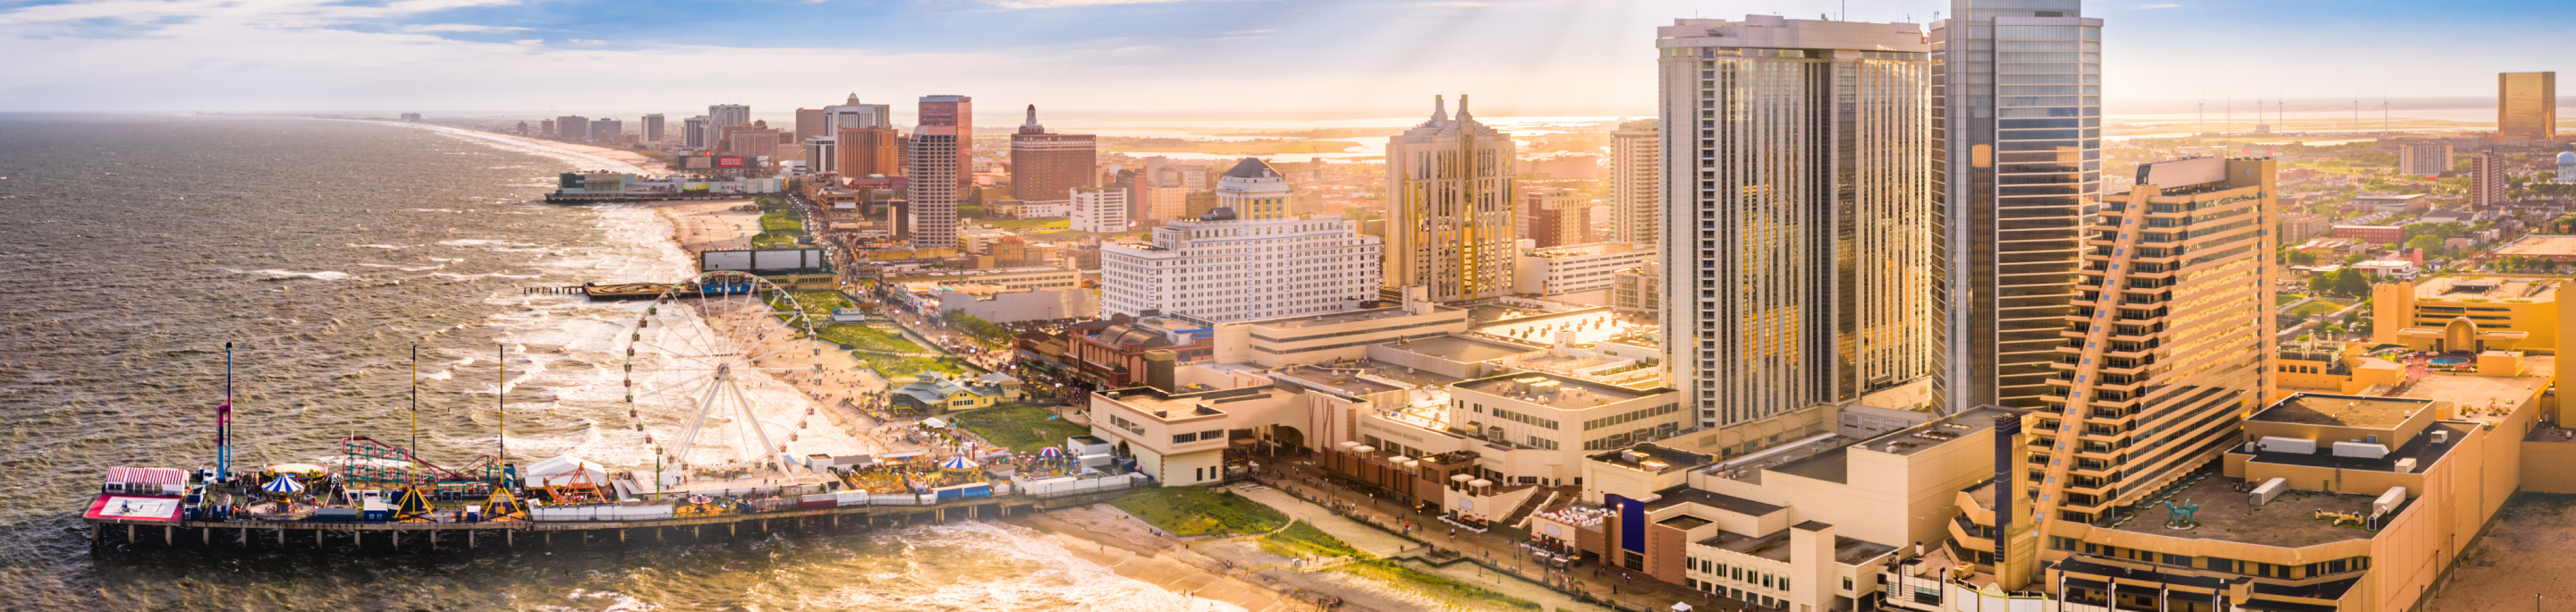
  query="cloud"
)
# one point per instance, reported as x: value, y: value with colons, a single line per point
x: 461, y: 27
x: 2161, y: 6
x: 1049, y: 4
x: 1455, y: 4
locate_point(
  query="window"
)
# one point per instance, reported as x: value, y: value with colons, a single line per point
x: 1847, y: 583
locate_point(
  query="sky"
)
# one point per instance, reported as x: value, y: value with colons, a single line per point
x: 1131, y: 59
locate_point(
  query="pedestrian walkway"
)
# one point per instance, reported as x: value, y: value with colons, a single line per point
x: 1298, y: 489
x: 1367, y: 539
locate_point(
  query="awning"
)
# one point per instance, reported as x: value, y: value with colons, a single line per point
x: 934, y: 422
x: 1681, y: 607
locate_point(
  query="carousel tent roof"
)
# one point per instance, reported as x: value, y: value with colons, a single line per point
x: 550, y: 469
x: 959, y: 462
x: 282, y: 484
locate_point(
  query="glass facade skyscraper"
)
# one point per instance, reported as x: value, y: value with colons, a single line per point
x: 2017, y: 139
x: 1798, y: 214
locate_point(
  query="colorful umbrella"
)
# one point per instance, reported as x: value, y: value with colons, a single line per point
x: 1050, y: 452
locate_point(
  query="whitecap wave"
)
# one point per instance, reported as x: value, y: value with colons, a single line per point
x: 282, y: 274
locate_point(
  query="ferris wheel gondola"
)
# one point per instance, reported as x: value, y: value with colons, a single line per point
x: 703, y: 343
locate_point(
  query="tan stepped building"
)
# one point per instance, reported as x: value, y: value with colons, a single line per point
x: 2330, y: 502
x: 2170, y: 339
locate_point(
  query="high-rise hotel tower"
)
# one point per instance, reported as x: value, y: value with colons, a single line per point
x: 1451, y: 221
x: 2017, y: 132
x: 1798, y: 220
x: 2169, y: 342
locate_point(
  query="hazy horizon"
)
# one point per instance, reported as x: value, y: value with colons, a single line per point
x: 1289, y: 60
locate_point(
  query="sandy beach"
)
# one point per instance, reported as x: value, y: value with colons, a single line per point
x: 1099, y: 533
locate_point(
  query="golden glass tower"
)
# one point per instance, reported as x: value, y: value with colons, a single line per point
x: 2527, y: 106
x: 1451, y: 209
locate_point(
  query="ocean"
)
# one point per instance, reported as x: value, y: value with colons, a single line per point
x: 324, y: 251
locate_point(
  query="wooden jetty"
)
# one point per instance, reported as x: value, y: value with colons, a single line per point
x: 616, y: 291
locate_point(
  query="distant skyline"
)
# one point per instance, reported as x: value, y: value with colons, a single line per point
x: 1130, y: 59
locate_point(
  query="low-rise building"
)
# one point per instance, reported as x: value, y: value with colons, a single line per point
x: 935, y: 393
x: 1579, y: 274
x: 1099, y: 210
x: 1222, y: 268
x: 2372, y: 234
x: 2472, y: 315
x: 2303, y: 225
x: 1287, y: 341
x: 1638, y: 291
x: 2396, y: 269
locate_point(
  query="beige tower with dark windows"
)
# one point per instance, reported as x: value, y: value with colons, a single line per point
x: 1798, y: 216
x: 1451, y: 210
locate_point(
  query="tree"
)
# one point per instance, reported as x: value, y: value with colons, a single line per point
x: 2299, y: 258
x: 2428, y: 242
x: 2321, y: 283
x: 2351, y: 283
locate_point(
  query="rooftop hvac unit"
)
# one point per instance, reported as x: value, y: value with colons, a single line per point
x: 2406, y: 465
x: 2276, y: 444
x: 2387, y: 502
x: 2441, y: 436
x: 2364, y: 450
x: 2270, y: 489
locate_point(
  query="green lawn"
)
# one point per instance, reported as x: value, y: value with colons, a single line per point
x: 2318, y: 307
x: 866, y: 338
x: 781, y: 220
x: 900, y: 369
x: 2284, y: 299
x: 1024, y: 429
x: 1189, y: 511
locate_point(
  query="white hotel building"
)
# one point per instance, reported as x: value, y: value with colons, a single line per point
x: 1248, y: 260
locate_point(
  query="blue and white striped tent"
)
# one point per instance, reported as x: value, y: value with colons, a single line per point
x: 282, y: 484
x: 959, y: 462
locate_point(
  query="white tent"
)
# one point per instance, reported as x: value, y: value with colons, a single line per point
x: 559, y: 469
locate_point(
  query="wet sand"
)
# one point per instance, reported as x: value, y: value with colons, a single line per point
x: 648, y: 163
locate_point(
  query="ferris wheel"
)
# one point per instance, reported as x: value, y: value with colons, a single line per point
x: 701, y: 349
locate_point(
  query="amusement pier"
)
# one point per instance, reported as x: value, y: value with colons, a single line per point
x: 689, y: 359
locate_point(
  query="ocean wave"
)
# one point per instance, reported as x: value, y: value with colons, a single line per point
x: 285, y: 274
x: 378, y: 246
x: 483, y: 275
x: 469, y: 242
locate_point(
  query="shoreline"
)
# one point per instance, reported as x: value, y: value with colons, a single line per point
x: 1089, y: 533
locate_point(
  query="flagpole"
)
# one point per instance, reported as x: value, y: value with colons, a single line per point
x: 503, y: 397
x: 413, y: 452
x: 224, y: 423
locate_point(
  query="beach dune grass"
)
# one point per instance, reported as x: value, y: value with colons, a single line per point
x: 1304, y: 539
x: 1023, y: 428
x: 1190, y: 511
x: 1437, y: 585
